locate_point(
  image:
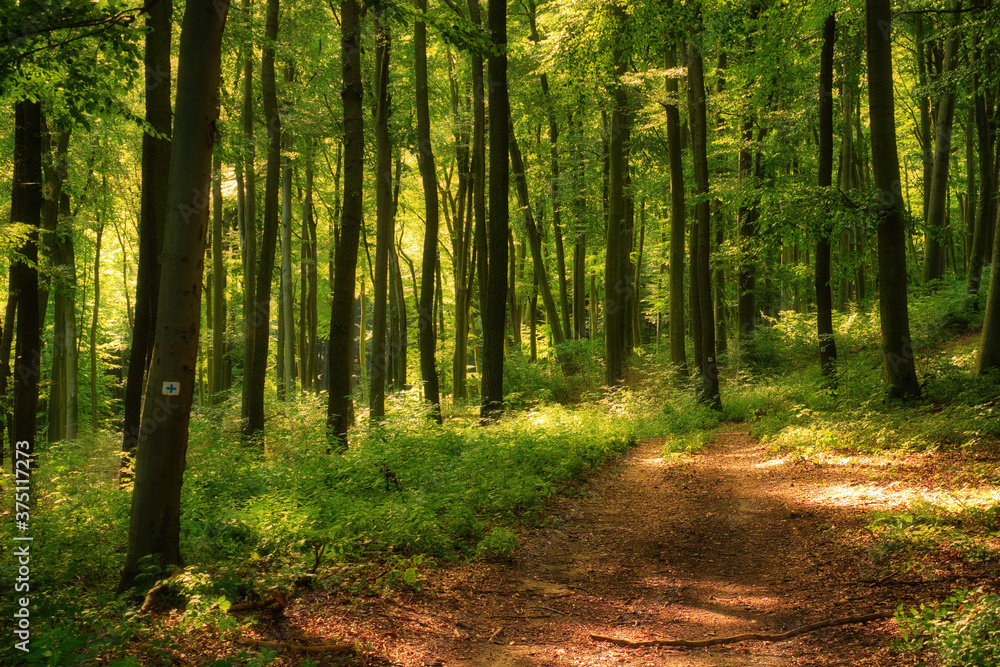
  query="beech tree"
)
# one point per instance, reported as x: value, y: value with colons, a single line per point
x: 154, y: 522
x: 897, y: 349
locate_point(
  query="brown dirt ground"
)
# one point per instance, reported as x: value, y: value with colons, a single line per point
x: 721, y: 543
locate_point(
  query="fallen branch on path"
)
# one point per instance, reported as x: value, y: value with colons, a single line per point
x: 276, y: 602
x: 751, y: 636
x: 343, y: 647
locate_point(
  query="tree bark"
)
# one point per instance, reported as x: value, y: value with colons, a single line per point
x: 494, y: 304
x: 26, y: 209
x: 703, y: 273
x: 152, y: 213
x: 428, y: 174
x: 678, y: 222
x: 287, y: 284
x: 218, y: 286
x: 95, y: 320
x: 249, y: 222
x: 252, y: 413
x: 154, y: 525
x: 824, y: 294
x: 617, y: 291
x: 384, y: 225
x: 900, y: 371
x: 938, y: 195
x: 537, y: 261
x: 340, y: 408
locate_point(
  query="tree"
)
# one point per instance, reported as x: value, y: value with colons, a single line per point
x: 26, y: 209
x: 340, y: 407
x: 428, y: 175
x: 155, y: 167
x: 154, y: 522
x: 701, y: 271
x: 824, y: 293
x: 678, y: 223
x: 901, y: 374
x: 495, y: 294
x: 938, y: 186
x: 255, y: 365
x: 384, y: 219
x: 616, y: 284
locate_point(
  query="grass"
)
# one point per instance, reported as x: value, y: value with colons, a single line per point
x: 405, y: 496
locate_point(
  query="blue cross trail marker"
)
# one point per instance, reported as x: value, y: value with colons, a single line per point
x: 171, y: 388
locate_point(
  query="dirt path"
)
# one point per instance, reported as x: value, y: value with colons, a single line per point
x: 718, y: 544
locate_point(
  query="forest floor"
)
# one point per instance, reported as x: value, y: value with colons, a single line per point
x: 728, y: 541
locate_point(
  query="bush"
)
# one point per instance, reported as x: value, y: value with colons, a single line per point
x: 964, y: 630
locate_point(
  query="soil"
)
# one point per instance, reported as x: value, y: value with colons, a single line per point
x: 724, y: 542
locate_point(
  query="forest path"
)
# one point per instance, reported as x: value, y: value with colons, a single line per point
x: 721, y: 543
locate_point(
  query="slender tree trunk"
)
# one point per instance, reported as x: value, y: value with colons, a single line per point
x: 152, y: 213
x: 340, y: 409
x: 494, y: 304
x: 287, y: 284
x: 6, y: 345
x: 984, y: 205
x: 898, y: 352
x: 219, y: 285
x: 249, y: 215
x: 65, y: 321
x: 924, y: 102
x: 537, y: 261
x: 95, y: 321
x: 384, y: 238
x: 154, y: 526
x: 678, y: 223
x: 254, y: 383
x: 699, y: 148
x: 428, y: 174
x: 824, y: 294
x: 617, y: 292
x: 938, y: 194
x: 52, y: 213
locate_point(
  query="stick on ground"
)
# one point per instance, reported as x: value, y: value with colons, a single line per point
x: 751, y: 636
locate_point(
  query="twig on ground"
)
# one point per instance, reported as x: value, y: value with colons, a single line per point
x: 752, y: 636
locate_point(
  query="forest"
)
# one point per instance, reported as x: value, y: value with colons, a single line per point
x: 528, y: 332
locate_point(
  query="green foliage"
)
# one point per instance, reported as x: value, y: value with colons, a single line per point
x: 964, y: 629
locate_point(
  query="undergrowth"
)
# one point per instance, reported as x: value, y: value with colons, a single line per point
x: 405, y: 496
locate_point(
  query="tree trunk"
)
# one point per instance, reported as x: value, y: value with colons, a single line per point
x: 537, y: 261
x: 6, y: 343
x: 54, y: 205
x: 152, y: 213
x: 384, y: 234
x: 984, y: 205
x: 309, y: 281
x: 340, y: 409
x: 218, y: 285
x: 287, y: 284
x: 494, y: 304
x: 898, y: 352
x: 154, y: 526
x: 617, y: 292
x: 26, y: 209
x: 678, y: 223
x: 252, y: 412
x: 428, y: 174
x: 937, y: 198
x: 703, y: 275
x: 824, y: 294
x: 249, y: 222
x: 95, y: 321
